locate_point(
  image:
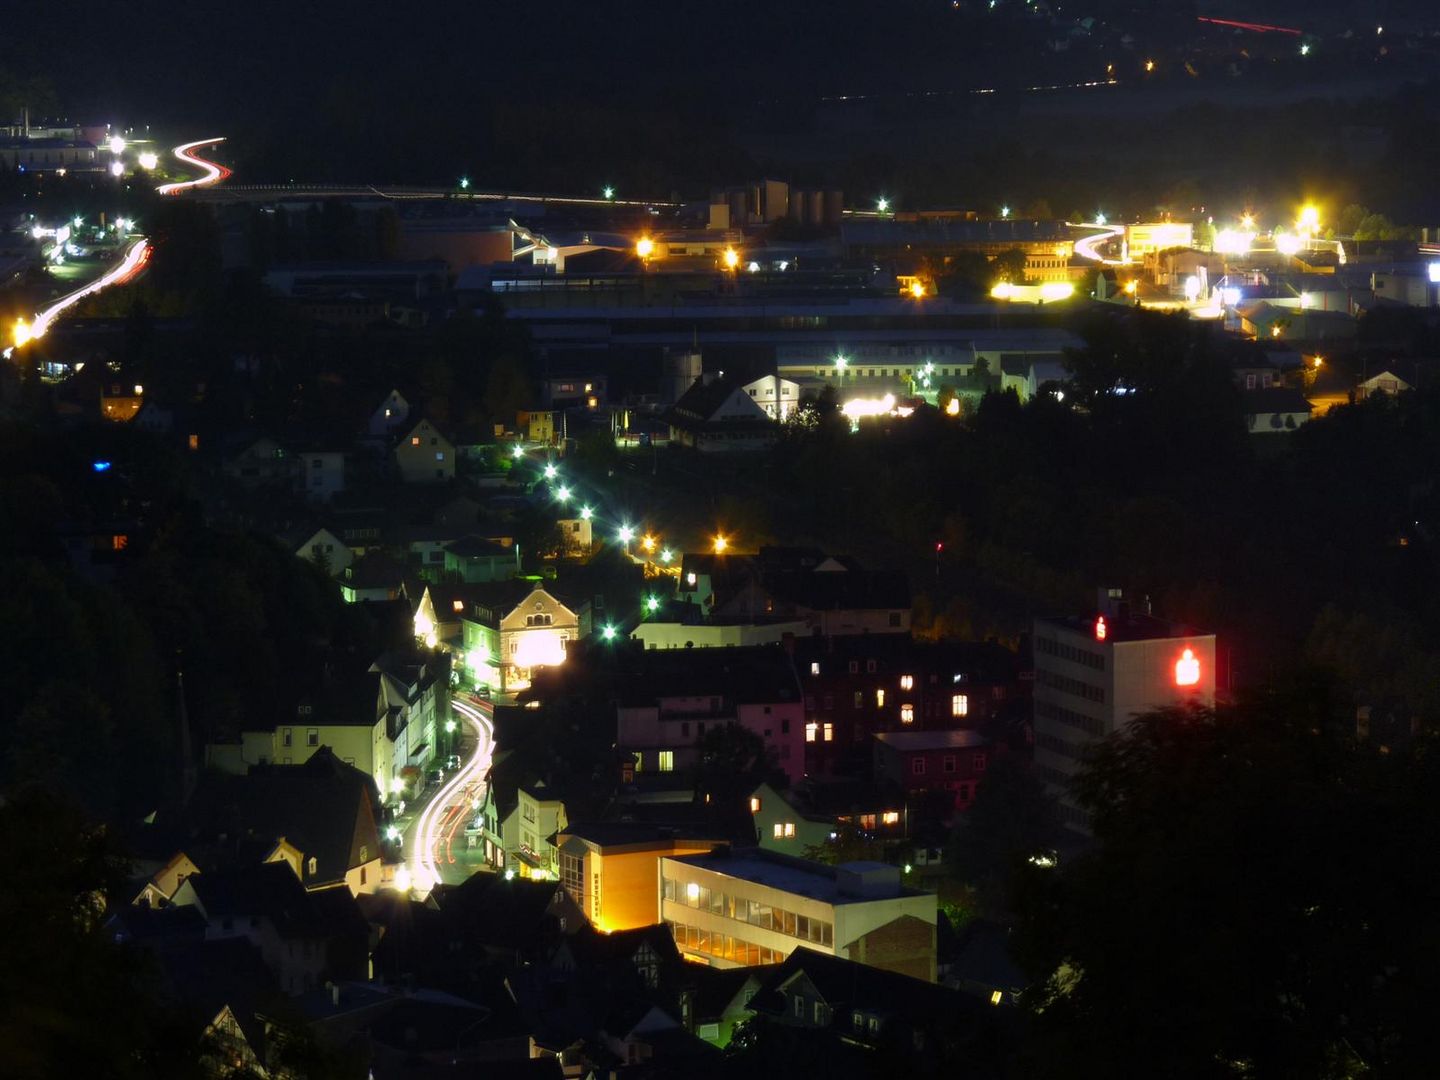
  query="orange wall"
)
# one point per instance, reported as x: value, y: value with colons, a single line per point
x: 630, y: 884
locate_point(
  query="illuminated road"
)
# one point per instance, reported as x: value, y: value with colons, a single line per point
x: 1086, y: 247
x: 444, y: 817
x: 134, y: 260
x: 213, y: 172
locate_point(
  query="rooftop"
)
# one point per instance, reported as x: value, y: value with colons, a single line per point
x: 1122, y: 627
x: 910, y: 741
x: 801, y: 877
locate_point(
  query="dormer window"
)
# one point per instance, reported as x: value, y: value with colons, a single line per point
x: 313, y: 866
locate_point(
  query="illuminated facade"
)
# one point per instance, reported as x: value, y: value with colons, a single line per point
x: 510, y: 628
x: 610, y: 869
x: 1093, y: 673
x: 739, y: 908
x: 1146, y: 237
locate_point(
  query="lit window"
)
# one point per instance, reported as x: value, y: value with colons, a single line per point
x: 457, y: 605
x: 667, y: 760
x: 439, y: 455
x: 789, y: 830
x: 690, y: 579
x: 907, y: 714
x: 778, y: 832
x: 414, y: 440
x: 754, y: 804
x: 996, y: 997
x: 313, y: 866
x: 907, y: 682
x: 959, y: 705
x: 810, y: 730
x: 891, y: 817
x: 815, y: 667
x: 692, y: 891
x: 829, y: 732
x: 879, y: 699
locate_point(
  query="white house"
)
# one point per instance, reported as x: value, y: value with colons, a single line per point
x: 1274, y: 411
x: 721, y: 416
x: 778, y: 397
x: 320, y: 474
x: 327, y: 550
x: 391, y: 416
x: 424, y: 456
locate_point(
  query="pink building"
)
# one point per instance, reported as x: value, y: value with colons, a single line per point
x: 674, y: 696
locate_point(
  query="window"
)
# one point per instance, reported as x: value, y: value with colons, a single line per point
x: 879, y: 699
x: 820, y: 1017
x: 415, y: 440
x: 859, y: 699
x: 814, y: 664
x: 286, y: 737
x: 312, y: 737
x: 684, y: 729
x: 439, y: 455
x: 949, y: 763
x: 959, y: 705
x: 364, y: 853
x: 799, y: 1007
x: 854, y: 666
x: 894, y: 618
x: 917, y: 766
x: 777, y: 831
x: 667, y: 760
x: 907, y: 714
x: 312, y: 866
x: 978, y: 763
x: 364, y: 875
x: 829, y: 732
x: 810, y: 730
x: 754, y: 804
x: 890, y: 817
x: 907, y: 682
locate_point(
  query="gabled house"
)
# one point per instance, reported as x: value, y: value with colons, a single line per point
x: 500, y: 811
x: 1274, y: 411
x: 262, y: 461
x: 391, y: 415
x: 413, y: 703
x: 512, y: 628
x: 720, y: 417
x: 425, y: 456
x: 781, y: 823
x: 372, y: 577
x: 475, y: 559
x: 327, y: 551
x: 609, y: 868
x: 542, y: 815
x: 320, y: 473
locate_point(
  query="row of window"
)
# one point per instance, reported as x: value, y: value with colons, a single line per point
x: 1057, y: 745
x: 724, y: 946
x: 703, y: 898
x: 1051, y: 647
x: 1066, y: 684
x: 312, y: 737
x: 959, y: 704
x: 948, y: 763
x: 1046, y: 710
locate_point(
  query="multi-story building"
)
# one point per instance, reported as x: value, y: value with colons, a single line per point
x: 1095, y: 672
x: 414, y: 704
x: 541, y: 814
x: 671, y: 697
x: 508, y: 629
x: 949, y: 763
x: 610, y: 868
x: 737, y: 908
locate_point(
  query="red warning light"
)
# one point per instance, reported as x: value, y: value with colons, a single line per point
x: 1100, y: 629
x: 1187, y: 669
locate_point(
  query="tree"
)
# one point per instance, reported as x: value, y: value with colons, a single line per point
x: 1214, y: 904
x: 1013, y: 818
x: 733, y: 761
x: 1009, y: 266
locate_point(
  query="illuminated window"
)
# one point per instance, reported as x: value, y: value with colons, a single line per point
x: 414, y: 440
x: 789, y: 830
x: 829, y: 732
x: 1187, y: 669
x: 907, y: 714
x: 879, y: 699
x: 313, y: 866
x: 119, y: 542
x: 890, y: 817
x: 754, y: 804
x: 907, y: 682
x: 457, y: 605
x: 194, y: 442
x: 1100, y: 630
x: 814, y: 666
x: 810, y: 730
x: 667, y: 760
x: 959, y: 705
x: 690, y: 579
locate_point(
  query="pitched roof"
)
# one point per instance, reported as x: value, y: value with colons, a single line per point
x: 847, y: 985
x: 1274, y: 399
x: 475, y: 546
x: 269, y: 890
x: 855, y: 589
x: 748, y: 674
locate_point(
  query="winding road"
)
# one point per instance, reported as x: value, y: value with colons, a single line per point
x: 213, y: 173
x: 454, y: 804
x: 1086, y: 246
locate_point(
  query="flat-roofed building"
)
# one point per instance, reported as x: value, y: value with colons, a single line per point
x: 609, y: 868
x: 1095, y: 672
x: 735, y: 908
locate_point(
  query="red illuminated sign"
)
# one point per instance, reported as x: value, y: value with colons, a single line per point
x: 1100, y: 628
x: 1187, y: 669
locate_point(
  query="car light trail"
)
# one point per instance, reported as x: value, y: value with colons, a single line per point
x: 214, y: 173
x: 446, y: 812
x: 134, y: 260
x: 1259, y: 28
x: 1086, y: 246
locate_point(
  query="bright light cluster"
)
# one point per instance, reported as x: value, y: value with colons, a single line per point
x: 1233, y: 241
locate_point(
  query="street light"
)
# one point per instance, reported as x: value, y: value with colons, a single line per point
x: 648, y: 542
x: 609, y: 192
x: 563, y: 493
x: 607, y: 632
x: 644, y: 247
x: 149, y: 160
x: 518, y: 452
x: 720, y: 545
x: 666, y: 555
x: 1004, y: 211
x: 882, y: 204
x: 116, y: 145
x: 550, y: 470
x: 626, y: 534
x: 917, y: 290
x: 652, y: 604
x: 464, y: 183
x: 840, y: 365
x: 732, y: 258
x: 585, y: 513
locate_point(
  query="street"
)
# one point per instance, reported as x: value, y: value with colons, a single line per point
x: 434, y: 837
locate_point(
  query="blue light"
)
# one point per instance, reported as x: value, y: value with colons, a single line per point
x: 101, y: 466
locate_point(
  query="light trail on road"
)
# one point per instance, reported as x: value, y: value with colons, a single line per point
x: 134, y: 260
x: 214, y: 173
x: 446, y: 812
x: 1085, y: 247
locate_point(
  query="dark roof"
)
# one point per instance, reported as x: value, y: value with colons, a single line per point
x: 846, y: 986
x: 715, y: 988
x: 323, y: 807
x: 495, y: 910
x: 475, y: 546
x: 758, y: 674
x: 1134, y: 626
x: 702, y: 399
x: 978, y: 661
x: 269, y: 890
x: 375, y: 570
x: 615, y: 834
x: 982, y: 957
x: 840, y: 591
x: 202, y: 979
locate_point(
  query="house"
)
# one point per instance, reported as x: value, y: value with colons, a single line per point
x: 1387, y: 381
x: 266, y: 905
x: 318, y: 817
x: 722, y: 1000
x: 319, y: 474
x: 475, y: 559
x: 734, y: 908
x: 494, y: 917
x: 574, y: 392
x: 261, y: 462
x: 500, y: 810
x: 782, y: 825
x: 577, y: 537
x: 375, y: 576
x: 512, y: 628
x: 720, y: 416
x: 161, y: 885
x: 216, y: 990
x: 609, y: 868
x: 920, y: 762
x: 883, y: 1010
x: 1274, y: 411
x: 413, y: 703
x: 425, y: 456
x: 984, y: 967
x: 327, y: 551
x: 669, y: 698
x: 542, y: 815
x: 778, y: 397
x: 538, y: 426
x: 392, y: 415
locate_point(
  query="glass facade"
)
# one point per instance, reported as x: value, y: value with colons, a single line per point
x: 801, y: 927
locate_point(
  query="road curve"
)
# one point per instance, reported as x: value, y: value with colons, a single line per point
x: 1086, y: 246
x: 213, y: 172
x: 446, y: 814
x: 130, y: 264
